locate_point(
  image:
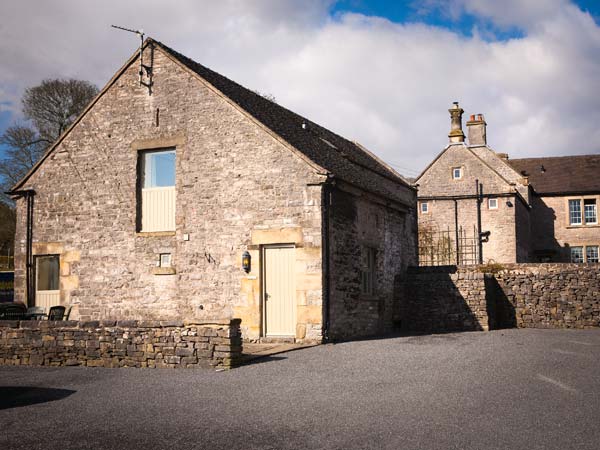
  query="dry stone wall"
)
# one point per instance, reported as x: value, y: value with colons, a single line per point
x: 127, y: 343
x: 440, y: 299
x: 549, y: 295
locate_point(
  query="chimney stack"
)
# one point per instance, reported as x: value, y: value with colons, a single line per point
x: 456, y: 133
x: 476, y: 130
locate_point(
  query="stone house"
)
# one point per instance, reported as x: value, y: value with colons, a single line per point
x: 535, y: 209
x: 180, y: 194
x: 564, y: 210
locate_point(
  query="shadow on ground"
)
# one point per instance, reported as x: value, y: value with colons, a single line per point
x: 15, y: 396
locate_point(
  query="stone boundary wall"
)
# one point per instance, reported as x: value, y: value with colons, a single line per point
x: 467, y: 298
x: 548, y: 295
x: 440, y: 299
x: 130, y: 343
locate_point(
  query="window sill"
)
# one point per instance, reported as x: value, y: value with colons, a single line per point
x: 154, y: 233
x: 163, y: 271
x: 592, y: 225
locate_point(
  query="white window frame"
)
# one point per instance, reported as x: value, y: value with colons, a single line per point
x: 157, y: 204
x: 587, y: 256
x: 460, y: 173
x: 585, y: 221
x: 424, y: 207
x: 582, y: 248
x: 579, y: 203
x: 490, y: 200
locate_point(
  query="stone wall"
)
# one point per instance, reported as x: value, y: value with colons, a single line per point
x: 439, y: 299
x: 357, y: 223
x: 437, y: 180
x: 216, y: 344
x: 548, y: 295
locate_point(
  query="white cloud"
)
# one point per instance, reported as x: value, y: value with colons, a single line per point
x: 387, y: 85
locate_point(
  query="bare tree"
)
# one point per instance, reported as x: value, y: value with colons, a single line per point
x: 50, y: 108
x: 55, y: 104
x: 23, y: 149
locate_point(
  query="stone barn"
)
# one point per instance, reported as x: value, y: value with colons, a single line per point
x: 179, y: 194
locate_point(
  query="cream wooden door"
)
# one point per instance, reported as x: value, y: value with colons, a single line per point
x: 279, y: 291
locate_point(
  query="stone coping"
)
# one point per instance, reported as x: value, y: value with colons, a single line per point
x: 35, y: 324
x: 504, y: 267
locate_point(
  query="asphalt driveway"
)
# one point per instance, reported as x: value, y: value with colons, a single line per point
x: 521, y: 389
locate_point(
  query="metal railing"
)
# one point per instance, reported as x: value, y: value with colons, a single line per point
x: 448, y: 247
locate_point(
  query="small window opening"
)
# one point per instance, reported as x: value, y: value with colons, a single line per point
x: 165, y: 260
x: 457, y: 173
x: 492, y: 203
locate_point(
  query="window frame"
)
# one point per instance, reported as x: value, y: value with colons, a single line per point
x: 585, y: 221
x: 368, y: 273
x: 580, y: 247
x: 495, y: 199
x: 140, y: 182
x: 570, y: 212
x: 580, y: 203
x: 37, y: 272
x: 165, y: 260
x: 585, y: 254
x: 460, y: 173
x: 426, y: 210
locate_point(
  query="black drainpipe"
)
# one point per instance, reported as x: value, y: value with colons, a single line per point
x: 326, y: 204
x: 29, y: 275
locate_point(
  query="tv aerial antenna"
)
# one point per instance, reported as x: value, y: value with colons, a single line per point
x: 143, y: 67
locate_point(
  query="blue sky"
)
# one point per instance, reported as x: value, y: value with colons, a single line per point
x: 437, y: 14
x: 380, y: 72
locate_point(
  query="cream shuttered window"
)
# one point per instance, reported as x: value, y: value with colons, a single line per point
x: 157, y: 188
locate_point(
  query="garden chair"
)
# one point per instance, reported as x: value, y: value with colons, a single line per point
x: 68, y: 313
x: 12, y: 312
x: 56, y: 313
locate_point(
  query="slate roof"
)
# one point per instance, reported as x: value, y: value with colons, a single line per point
x: 561, y: 175
x: 342, y: 158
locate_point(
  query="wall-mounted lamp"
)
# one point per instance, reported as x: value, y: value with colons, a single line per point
x: 509, y: 203
x: 246, y: 261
